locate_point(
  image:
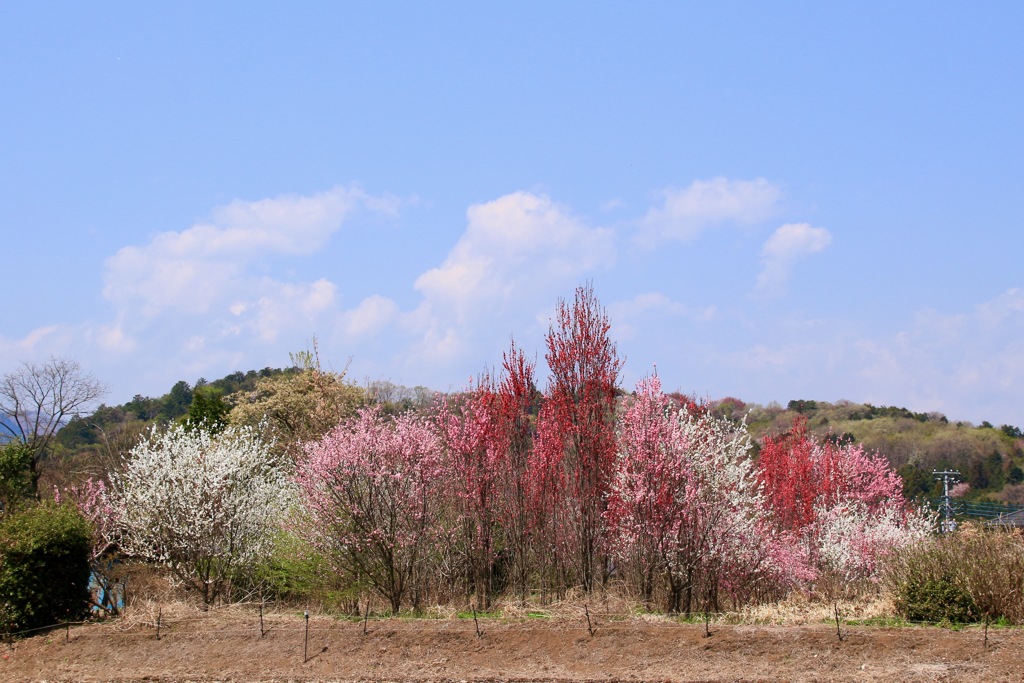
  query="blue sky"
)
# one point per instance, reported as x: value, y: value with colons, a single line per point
x: 773, y: 200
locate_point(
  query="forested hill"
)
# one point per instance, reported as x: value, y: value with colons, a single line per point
x: 990, y: 458
x: 86, y: 444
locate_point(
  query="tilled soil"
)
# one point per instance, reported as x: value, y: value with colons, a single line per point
x: 232, y: 649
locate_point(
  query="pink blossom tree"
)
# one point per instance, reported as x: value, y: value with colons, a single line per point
x: 371, y: 489
x: 92, y: 499
x: 684, y: 501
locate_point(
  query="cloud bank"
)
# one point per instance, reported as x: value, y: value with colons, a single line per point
x: 215, y: 297
x: 215, y: 271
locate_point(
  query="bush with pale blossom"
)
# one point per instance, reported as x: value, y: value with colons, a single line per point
x: 370, y: 490
x: 204, y: 505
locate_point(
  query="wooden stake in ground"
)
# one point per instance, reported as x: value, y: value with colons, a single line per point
x: 586, y: 610
x: 305, y: 643
x: 263, y: 631
x: 839, y: 634
x: 476, y: 623
x: 159, y: 614
x: 366, y: 617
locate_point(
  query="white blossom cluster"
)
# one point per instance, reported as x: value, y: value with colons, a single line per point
x: 204, y: 505
x: 853, y: 541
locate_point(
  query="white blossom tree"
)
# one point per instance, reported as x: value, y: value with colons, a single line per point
x: 203, y: 505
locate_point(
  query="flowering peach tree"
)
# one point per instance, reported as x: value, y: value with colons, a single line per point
x: 204, y: 505
x: 92, y: 499
x: 684, y: 502
x: 575, y: 446
x: 843, y: 504
x: 371, y: 489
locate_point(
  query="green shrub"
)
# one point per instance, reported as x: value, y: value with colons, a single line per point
x: 15, y: 477
x: 44, y: 567
x: 972, y: 574
x: 936, y: 600
x: 298, y: 574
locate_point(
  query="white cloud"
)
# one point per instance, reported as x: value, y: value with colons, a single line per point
x: 1010, y: 304
x: 516, y: 245
x: 283, y: 306
x: 787, y: 245
x: 372, y: 315
x: 113, y: 339
x: 49, y: 339
x: 519, y: 252
x: 195, y: 270
x: 212, y: 297
x: 706, y: 204
x: 288, y: 224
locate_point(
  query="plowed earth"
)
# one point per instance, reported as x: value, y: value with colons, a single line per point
x: 230, y: 648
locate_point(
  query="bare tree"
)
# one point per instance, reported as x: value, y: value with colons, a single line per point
x: 36, y: 400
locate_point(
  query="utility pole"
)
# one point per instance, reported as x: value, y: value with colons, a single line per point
x: 947, y: 477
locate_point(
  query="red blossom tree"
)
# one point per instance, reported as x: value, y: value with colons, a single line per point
x: 517, y: 394
x: 575, y: 450
x: 802, y: 474
x: 473, y: 437
x: 789, y: 474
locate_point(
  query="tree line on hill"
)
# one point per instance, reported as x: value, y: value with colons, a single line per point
x: 990, y: 459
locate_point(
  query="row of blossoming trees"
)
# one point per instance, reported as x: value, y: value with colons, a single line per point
x: 503, y: 491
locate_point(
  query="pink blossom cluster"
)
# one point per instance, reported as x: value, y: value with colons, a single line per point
x: 92, y: 499
x: 371, y: 490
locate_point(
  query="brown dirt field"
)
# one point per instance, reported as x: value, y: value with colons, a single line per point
x: 228, y: 647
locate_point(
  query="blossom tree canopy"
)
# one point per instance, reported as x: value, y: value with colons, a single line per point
x: 843, y: 503
x: 204, y: 505
x: 370, y: 489
x: 684, y: 500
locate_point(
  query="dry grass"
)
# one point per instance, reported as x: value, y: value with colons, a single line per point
x: 798, y: 610
x: 986, y: 564
x: 157, y: 595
